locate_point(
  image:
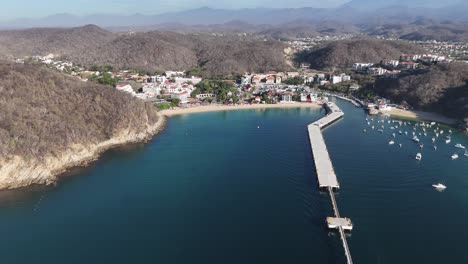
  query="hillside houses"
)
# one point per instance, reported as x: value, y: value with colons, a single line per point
x: 362, y: 67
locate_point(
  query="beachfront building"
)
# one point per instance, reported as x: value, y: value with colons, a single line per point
x: 203, y: 96
x: 286, y: 98
x: 182, y: 96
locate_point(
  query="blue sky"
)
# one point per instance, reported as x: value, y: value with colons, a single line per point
x: 41, y: 8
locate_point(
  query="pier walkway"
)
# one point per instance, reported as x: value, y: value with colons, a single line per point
x: 325, y: 172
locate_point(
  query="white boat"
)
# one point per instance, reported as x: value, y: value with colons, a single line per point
x: 466, y: 153
x: 433, y: 139
x: 406, y: 132
x: 433, y: 123
x: 364, y: 130
x: 460, y: 146
x: 393, y: 135
x: 391, y: 142
x: 435, y: 147
x: 439, y: 186
x: 416, y: 139
x: 380, y: 130
x: 447, y: 141
x: 454, y: 156
x: 373, y: 127
x: 401, y: 145
x: 418, y: 156
x: 399, y: 132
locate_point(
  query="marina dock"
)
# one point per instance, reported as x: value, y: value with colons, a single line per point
x: 325, y: 172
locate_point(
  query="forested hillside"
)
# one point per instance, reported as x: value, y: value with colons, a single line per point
x: 218, y: 55
x: 149, y: 51
x: 442, y: 88
x: 44, y: 113
x: 343, y: 54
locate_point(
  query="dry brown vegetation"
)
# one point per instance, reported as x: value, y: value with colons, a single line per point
x: 43, y: 112
x: 339, y: 55
x: 442, y: 88
x: 43, y: 41
x: 149, y: 51
x: 156, y: 51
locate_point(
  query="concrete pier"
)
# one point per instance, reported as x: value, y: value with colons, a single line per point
x: 326, y: 174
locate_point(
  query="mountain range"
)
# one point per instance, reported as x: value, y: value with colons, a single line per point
x: 356, y: 11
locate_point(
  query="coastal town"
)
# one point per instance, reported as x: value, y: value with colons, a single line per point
x: 171, y: 89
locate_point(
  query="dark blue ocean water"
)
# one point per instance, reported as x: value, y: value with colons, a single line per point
x: 215, y: 188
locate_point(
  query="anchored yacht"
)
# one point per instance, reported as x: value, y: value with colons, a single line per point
x: 439, y: 186
x: 419, y: 156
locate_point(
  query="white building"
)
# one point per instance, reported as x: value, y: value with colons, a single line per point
x: 126, y: 88
x: 377, y: 71
x: 203, y: 96
x: 391, y: 63
x: 182, y: 96
x: 152, y: 90
x: 362, y: 66
x: 286, y: 98
x: 193, y: 80
x: 174, y: 73
x: 339, y: 78
x: 157, y: 78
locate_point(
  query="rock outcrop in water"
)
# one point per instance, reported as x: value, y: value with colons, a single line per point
x: 50, y: 122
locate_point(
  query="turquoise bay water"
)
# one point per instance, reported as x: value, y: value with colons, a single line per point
x: 215, y: 188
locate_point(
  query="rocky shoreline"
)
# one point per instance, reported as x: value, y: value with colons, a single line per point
x: 18, y: 172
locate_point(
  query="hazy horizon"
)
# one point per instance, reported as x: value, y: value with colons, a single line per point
x: 40, y: 9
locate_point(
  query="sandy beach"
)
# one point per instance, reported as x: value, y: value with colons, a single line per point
x: 214, y: 108
x: 420, y: 115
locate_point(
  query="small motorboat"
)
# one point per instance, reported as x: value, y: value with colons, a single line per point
x: 401, y: 145
x: 448, y: 141
x: 454, y: 156
x: 418, y: 156
x: 393, y: 135
x: 380, y: 130
x: 439, y: 186
x: 391, y: 142
x: 466, y: 153
x: 433, y: 139
x: 364, y: 131
x: 421, y: 146
x: 406, y: 132
x: 373, y: 127
x: 435, y: 147
x: 460, y: 146
x: 416, y: 139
